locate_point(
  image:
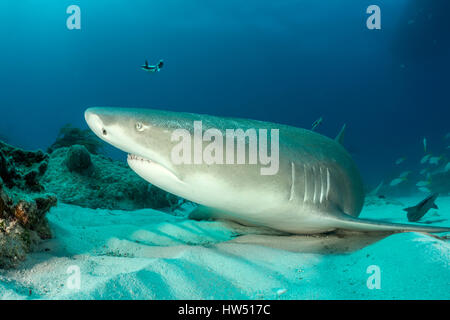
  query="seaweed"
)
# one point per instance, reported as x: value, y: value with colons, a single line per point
x: 69, y: 136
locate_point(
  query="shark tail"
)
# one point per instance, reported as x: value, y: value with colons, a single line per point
x: 347, y: 222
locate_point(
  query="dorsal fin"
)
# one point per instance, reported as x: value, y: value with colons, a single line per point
x: 340, y: 137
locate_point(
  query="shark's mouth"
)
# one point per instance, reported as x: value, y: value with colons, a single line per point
x: 138, y: 158
x: 133, y: 159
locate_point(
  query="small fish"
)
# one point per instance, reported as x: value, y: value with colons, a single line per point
x: 400, y: 160
x: 434, y: 160
x: 396, y: 181
x: 447, y: 136
x: 424, y: 144
x: 425, y: 158
x: 281, y: 291
x: 316, y: 123
x: 422, y: 183
x: 404, y: 174
x: 447, y: 167
x: 424, y: 189
x: 418, y: 211
x: 375, y: 191
x: 423, y: 171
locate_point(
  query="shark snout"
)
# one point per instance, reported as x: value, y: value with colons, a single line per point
x: 114, y: 128
x: 95, y: 123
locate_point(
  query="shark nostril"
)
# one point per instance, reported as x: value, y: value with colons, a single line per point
x: 104, y: 131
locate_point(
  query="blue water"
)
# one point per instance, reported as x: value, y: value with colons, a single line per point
x: 281, y: 61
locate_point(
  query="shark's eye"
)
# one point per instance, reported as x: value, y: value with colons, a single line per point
x: 139, y: 126
x: 104, y: 131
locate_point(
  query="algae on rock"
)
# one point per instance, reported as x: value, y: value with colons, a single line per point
x: 23, y: 203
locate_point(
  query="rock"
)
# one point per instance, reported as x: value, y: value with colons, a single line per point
x: 78, y: 159
x: 69, y: 136
x: 22, y: 169
x: 108, y: 184
x: 23, y: 203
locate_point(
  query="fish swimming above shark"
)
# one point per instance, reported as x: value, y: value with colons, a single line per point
x: 316, y: 188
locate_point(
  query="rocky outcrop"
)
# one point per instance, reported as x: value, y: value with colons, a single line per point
x: 22, y: 169
x: 79, y: 177
x: 23, y: 203
x: 69, y: 136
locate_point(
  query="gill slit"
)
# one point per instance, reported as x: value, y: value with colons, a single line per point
x: 291, y: 196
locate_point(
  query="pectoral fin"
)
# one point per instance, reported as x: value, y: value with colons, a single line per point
x: 201, y: 213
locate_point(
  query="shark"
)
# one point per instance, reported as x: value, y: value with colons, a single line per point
x: 316, y: 189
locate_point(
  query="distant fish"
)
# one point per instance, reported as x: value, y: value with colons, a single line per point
x: 418, y: 211
x: 375, y: 191
x: 425, y: 158
x: 281, y: 291
x: 411, y: 21
x: 397, y: 181
x: 423, y: 171
x: 434, y: 160
x: 404, y: 174
x: 447, y: 167
x: 400, y: 160
x: 424, y: 144
x: 447, y: 136
x: 423, y: 183
x: 316, y: 123
x: 424, y: 189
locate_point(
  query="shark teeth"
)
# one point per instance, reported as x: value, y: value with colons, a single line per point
x: 135, y: 157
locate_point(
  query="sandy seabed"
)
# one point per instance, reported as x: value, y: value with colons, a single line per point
x: 147, y: 254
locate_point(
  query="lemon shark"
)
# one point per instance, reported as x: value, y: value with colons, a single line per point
x: 317, y: 187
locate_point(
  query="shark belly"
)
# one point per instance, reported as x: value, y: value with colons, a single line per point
x: 303, y: 207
